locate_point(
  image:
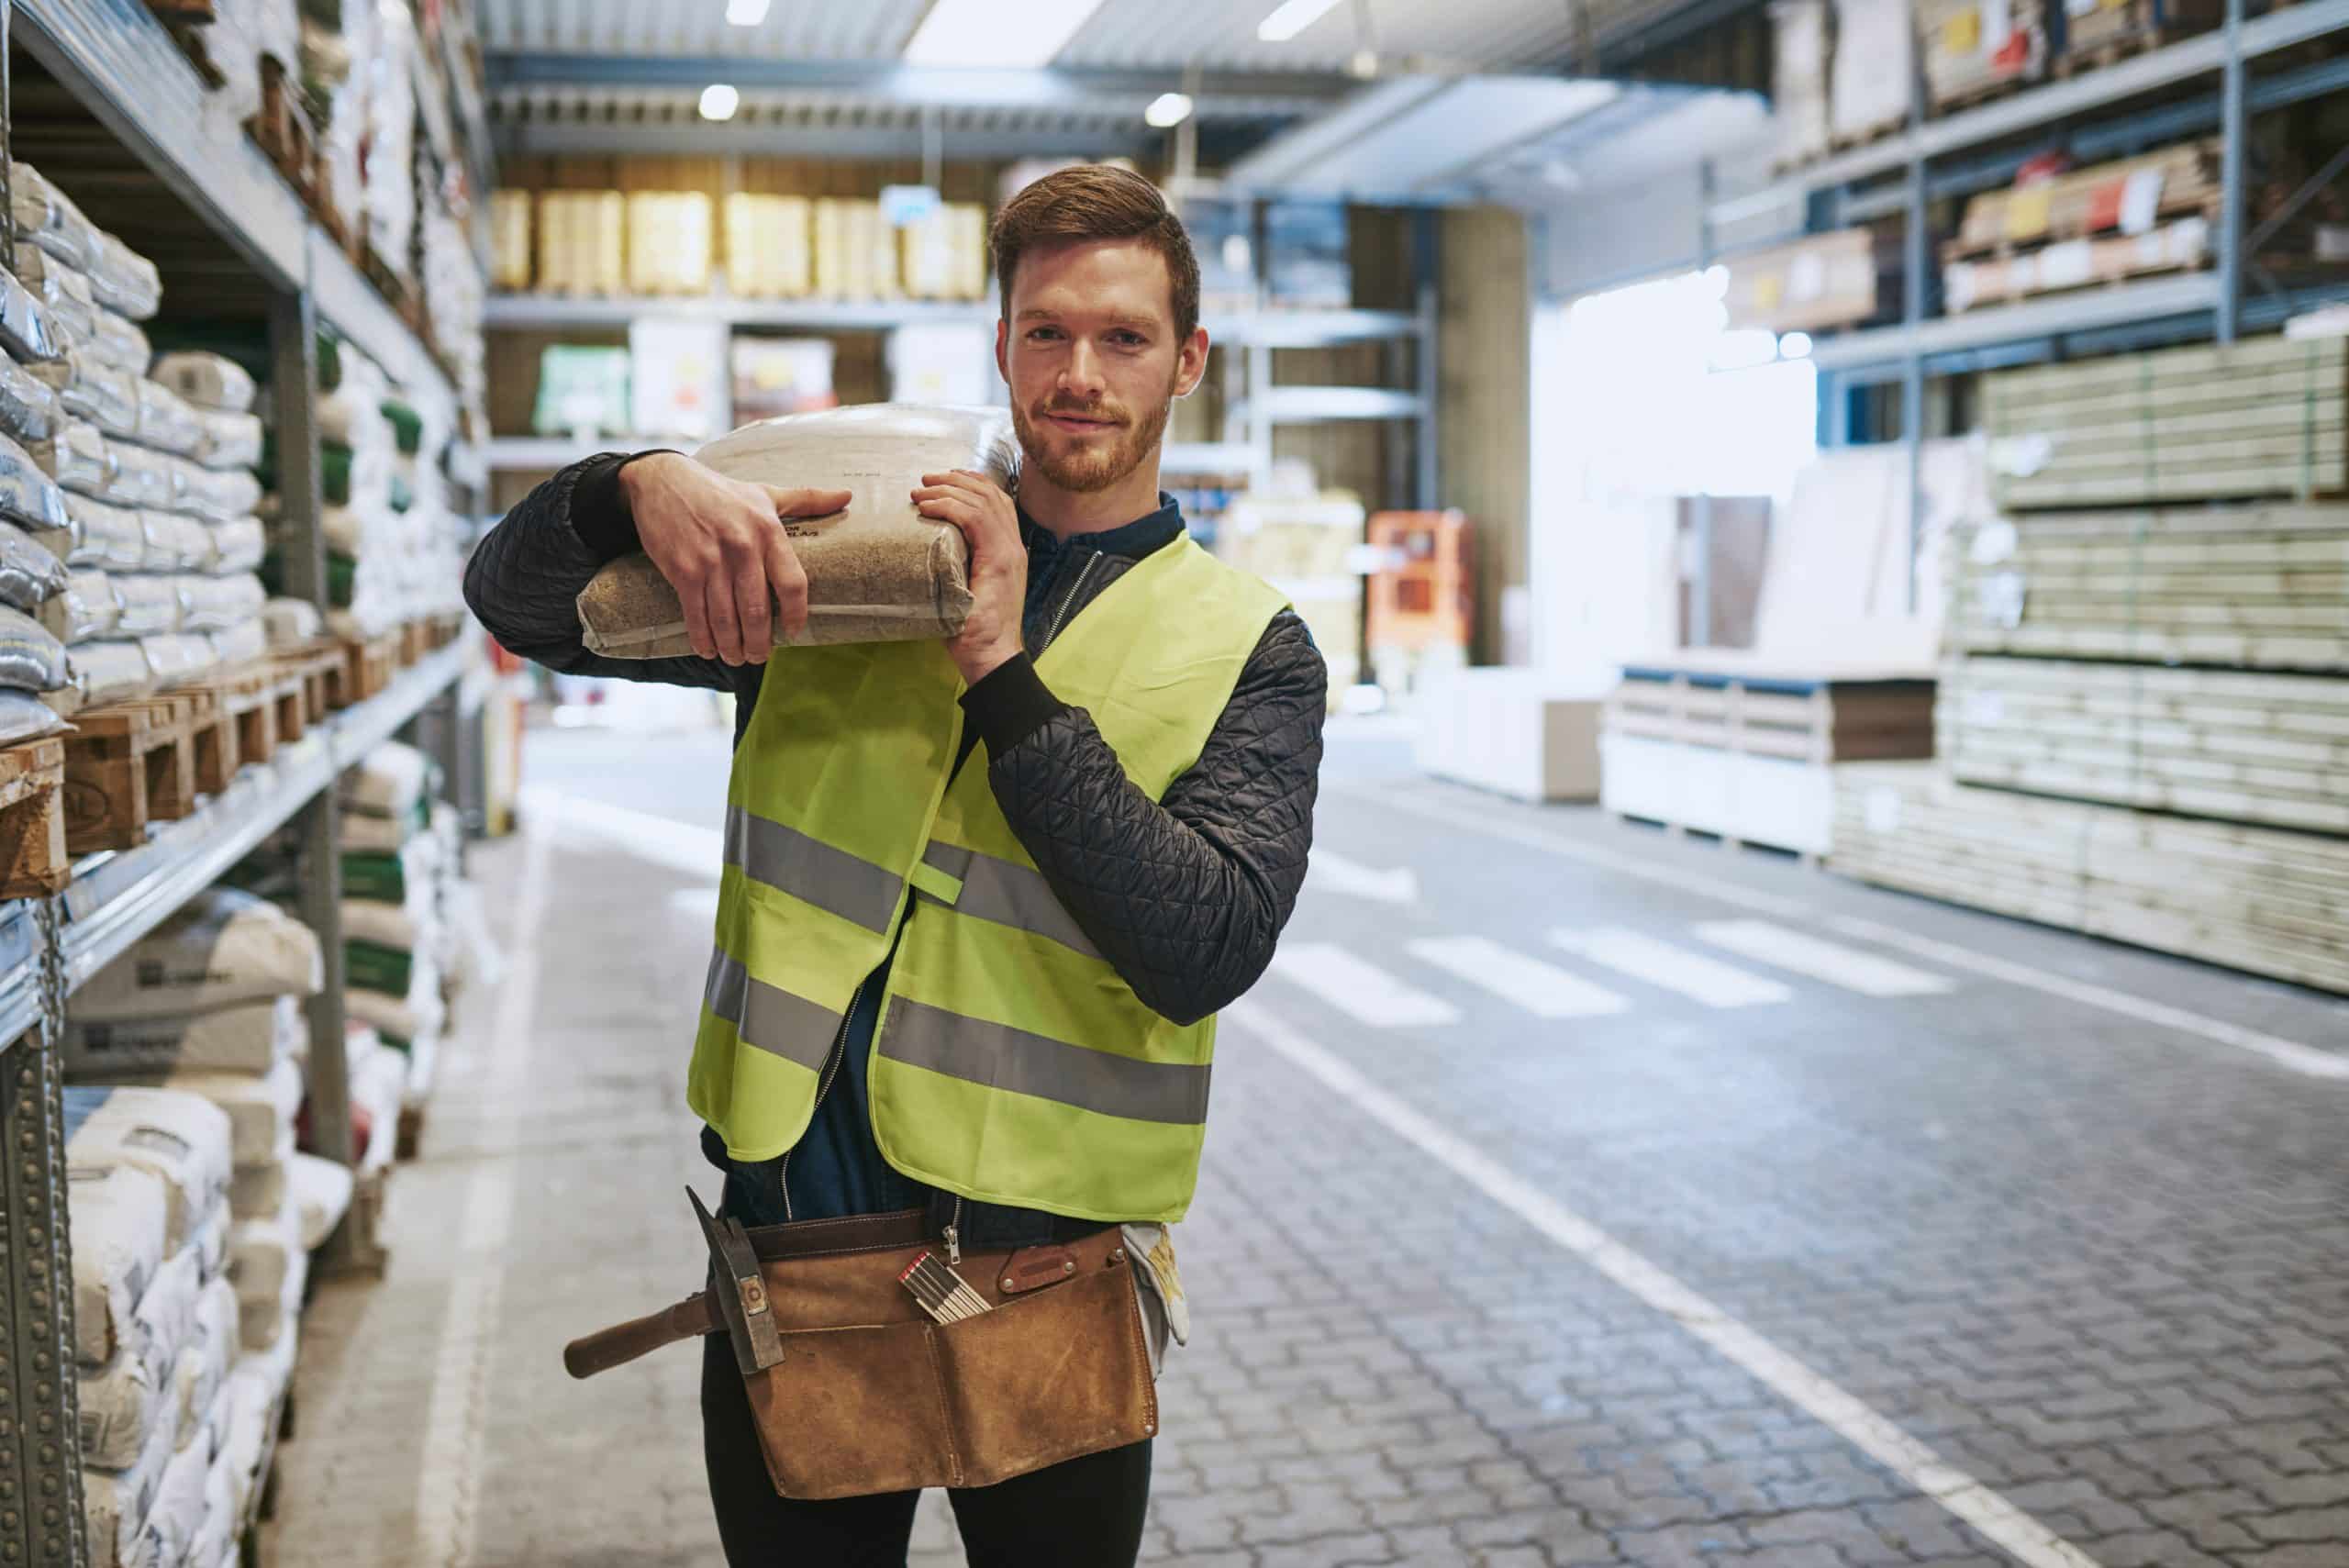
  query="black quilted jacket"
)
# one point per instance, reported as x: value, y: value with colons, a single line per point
x: 1184, y: 897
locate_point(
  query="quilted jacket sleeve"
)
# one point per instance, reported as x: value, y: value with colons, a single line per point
x: 1186, y: 896
x: 525, y: 577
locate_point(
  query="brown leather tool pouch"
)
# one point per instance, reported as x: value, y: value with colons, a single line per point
x: 874, y: 1395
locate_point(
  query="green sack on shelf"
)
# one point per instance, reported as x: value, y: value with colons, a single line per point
x: 581, y: 388
x: 329, y: 353
x: 408, y: 425
x: 371, y: 966
x: 383, y: 877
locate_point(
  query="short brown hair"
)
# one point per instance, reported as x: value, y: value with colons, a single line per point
x: 1091, y: 202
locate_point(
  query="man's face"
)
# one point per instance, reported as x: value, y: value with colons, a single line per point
x: 1093, y: 360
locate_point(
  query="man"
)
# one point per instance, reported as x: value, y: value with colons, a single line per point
x: 1168, y: 888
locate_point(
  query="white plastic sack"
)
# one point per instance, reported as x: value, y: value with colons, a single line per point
x: 116, y: 1503
x: 260, y: 1107
x: 251, y: 1037
x: 363, y: 833
x: 225, y: 948
x: 204, y: 1362
x: 401, y: 1020
x: 322, y: 1193
x: 239, y: 644
x: 179, y: 1138
x: 178, y: 1510
x: 215, y: 1540
x: 207, y: 381
x: 109, y: 671
x: 291, y: 622
x: 118, y: 1214
x: 266, y: 1261
x: 387, y: 782
x: 228, y: 440
x: 210, y: 1245
x: 120, y: 1404
x: 397, y: 927
x: 239, y: 545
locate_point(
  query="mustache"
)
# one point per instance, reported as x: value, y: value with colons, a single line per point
x: 1101, y: 411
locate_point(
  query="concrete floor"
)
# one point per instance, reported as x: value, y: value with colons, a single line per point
x: 1574, y: 1196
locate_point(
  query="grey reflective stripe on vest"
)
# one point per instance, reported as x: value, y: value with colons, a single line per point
x: 1000, y: 1057
x: 768, y: 1019
x: 809, y: 870
x: 1009, y: 894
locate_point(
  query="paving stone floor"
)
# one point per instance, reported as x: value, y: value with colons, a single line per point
x: 2097, y: 1266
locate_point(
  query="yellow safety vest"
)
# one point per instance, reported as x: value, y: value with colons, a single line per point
x: 1011, y: 1064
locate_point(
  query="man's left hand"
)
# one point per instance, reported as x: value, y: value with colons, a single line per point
x: 977, y: 506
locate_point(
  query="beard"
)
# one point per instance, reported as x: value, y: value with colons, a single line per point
x: 1094, y: 463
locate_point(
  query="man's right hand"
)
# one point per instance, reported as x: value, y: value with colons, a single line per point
x: 720, y: 544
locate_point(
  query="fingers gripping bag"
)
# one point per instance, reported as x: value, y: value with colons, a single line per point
x: 878, y: 570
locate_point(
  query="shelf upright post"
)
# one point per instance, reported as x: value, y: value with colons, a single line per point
x: 1700, y: 505
x: 294, y: 380
x: 1427, y: 256
x: 2235, y: 120
x: 1912, y: 300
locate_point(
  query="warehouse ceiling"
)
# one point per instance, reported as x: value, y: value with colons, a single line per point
x: 828, y: 77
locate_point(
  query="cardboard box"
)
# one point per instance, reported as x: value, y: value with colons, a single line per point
x: 509, y: 240
x: 768, y: 246
x: 582, y: 241
x: 668, y: 242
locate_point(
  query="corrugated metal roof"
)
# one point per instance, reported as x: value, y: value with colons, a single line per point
x: 794, y: 29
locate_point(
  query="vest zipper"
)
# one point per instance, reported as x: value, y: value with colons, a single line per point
x: 1068, y: 603
x: 953, y: 1234
x: 831, y: 1070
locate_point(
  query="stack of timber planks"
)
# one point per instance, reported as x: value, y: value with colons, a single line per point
x: 2143, y: 721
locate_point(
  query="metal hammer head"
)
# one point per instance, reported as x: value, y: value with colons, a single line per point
x: 740, y: 1291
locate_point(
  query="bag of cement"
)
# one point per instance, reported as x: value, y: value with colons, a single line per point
x: 402, y: 929
x: 45, y: 216
x: 29, y: 575
x: 119, y: 341
x: 379, y: 1087
x: 24, y: 716
x: 31, y: 659
x: 118, y: 1215
x: 116, y: 1503
x: 122, y: 279
x: 177, y: 1136
x: 387, y: 782
x: 252, y: 1410
x: 26, y: 330
x: 208, y: 381
x: 29, y: 496
x: 179, y: 659
x: 363, y: 834
x: 215, y: 604
x: 251, y: 1037
x: 210, y: 1245
x: 166, y: 419
x: 222, y: 948
x: 86, y: 610
x: 271, y: 1268
x: 227, y: 439
x: 239, y: 644
x: 202, y: 1366
x: 76, y: 456
x: 110, y: 672
x: 89, y: 388
x: 322, y: 1194
x: 144, y: 478
x: 64, y: 291
x: 119, y: 1405
x: 108, y: 535
x: 260, y: 1109
x: 259, y: 1189
x: 215, y: 1545
x: 239, y: 545
x: 28, y: 405
x: 878, y: 572
x: 291, y: 622
x: 396, y: 877
x: 178, y: 1510
x: 175, y: 543
x: 147, y: 606
x: 215, y: 495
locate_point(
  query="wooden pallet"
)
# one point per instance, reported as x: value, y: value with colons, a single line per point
x: 2088, y: 201
x: 2011, y: 272
x: 128, y: 764
x: 365, y: 671
x: 308, y: 674
x: 1812, y: 720
x: 237, y: 721
x: 416, y: 642
x: 33, y: 860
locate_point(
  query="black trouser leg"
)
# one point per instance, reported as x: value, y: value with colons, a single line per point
x: 1085, y: 1513
x: 760, y: 1528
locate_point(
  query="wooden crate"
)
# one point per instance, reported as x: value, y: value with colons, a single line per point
x: 2261, y: 417
x: 309, y: 674
x: 2131, y: 194
x: 365, y: 669
x: 1841, y: 278
x: 1974, y: 51
x: 2266, y: 900
x: 2113, y: 30
x: 33, y: 860
x: 2256, y: 586
x: 2269, y: 750
x: 128, y: 764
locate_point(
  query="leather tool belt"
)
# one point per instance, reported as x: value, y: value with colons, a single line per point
x: 872, y: 1395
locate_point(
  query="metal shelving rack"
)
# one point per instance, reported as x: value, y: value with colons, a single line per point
x: 120, y: 65
x: 1937, y: 159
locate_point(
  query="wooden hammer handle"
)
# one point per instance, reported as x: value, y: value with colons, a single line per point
x: 623, y: 1342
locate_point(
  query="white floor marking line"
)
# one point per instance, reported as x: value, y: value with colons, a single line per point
x: 447, y: 1503
x: 1542, y: 989
x: 1333, y: 872
x: 1660, y: 963
x: 680, y: 846
x: 2023, y: 1537
x: 1869, y: 973
x: 2299, y: 1057
x: 2286, y: 1053
x: 1361, y: 990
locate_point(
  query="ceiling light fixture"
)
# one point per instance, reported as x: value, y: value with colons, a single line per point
x: 1292, y: 18
x: 746, y: 12
x: 976, y: 35
x: 719, y: 101
x: 1167, y: 110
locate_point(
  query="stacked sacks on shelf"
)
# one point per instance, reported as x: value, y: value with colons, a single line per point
x: 396, y: 865
x: 156, y: 1320
x: 206, y: 1011
x: 155, y: 510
